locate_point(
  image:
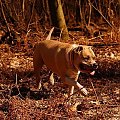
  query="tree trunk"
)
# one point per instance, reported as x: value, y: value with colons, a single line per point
x: 118, y: 10
x: 57, y: 17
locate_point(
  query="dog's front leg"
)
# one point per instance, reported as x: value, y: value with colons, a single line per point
x: 73, y: 83
x: 71, y: 88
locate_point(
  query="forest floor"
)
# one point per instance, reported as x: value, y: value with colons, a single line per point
x: 18, y: 102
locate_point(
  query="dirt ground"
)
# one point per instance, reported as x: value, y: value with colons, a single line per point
x: 18, y: 102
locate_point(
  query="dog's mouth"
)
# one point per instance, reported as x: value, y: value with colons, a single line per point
x: 88, y: 68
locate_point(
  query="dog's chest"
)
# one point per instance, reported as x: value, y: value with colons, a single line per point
x: 72, y: 73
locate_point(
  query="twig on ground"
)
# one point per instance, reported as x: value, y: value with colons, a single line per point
x: 97, y: 99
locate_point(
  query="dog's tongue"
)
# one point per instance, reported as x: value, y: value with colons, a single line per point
x: 92, y: 73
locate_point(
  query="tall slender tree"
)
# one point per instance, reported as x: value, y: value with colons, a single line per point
x: 57, y: 17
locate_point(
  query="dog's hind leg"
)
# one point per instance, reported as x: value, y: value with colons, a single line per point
x: 51, y: 78
x: 37, y: 63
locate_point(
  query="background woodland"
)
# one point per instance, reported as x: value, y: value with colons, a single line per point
x: 23, y: 23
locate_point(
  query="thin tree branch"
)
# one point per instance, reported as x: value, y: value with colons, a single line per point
x: 5, y: 17
x: 102, y: 15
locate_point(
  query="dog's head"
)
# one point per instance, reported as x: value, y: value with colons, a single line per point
x: 84, y: 59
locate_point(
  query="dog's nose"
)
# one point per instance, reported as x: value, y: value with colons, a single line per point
x: 95, y: 66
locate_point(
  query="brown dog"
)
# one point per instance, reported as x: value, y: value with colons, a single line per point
x: 66, y: 60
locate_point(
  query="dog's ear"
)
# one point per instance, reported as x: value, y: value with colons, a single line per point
x: 78, y: 49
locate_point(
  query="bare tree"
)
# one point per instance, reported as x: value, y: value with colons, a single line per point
x: 57, y: 17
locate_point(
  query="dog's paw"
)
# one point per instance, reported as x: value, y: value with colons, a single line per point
x: 51, y: 79
x: 39, y: 86
x: 34, y: 89
x: 84, y: 91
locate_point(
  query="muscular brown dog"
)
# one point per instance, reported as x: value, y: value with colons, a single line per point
x: 66, y: 60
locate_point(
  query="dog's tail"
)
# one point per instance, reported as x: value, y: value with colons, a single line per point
x: 49, y: 35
